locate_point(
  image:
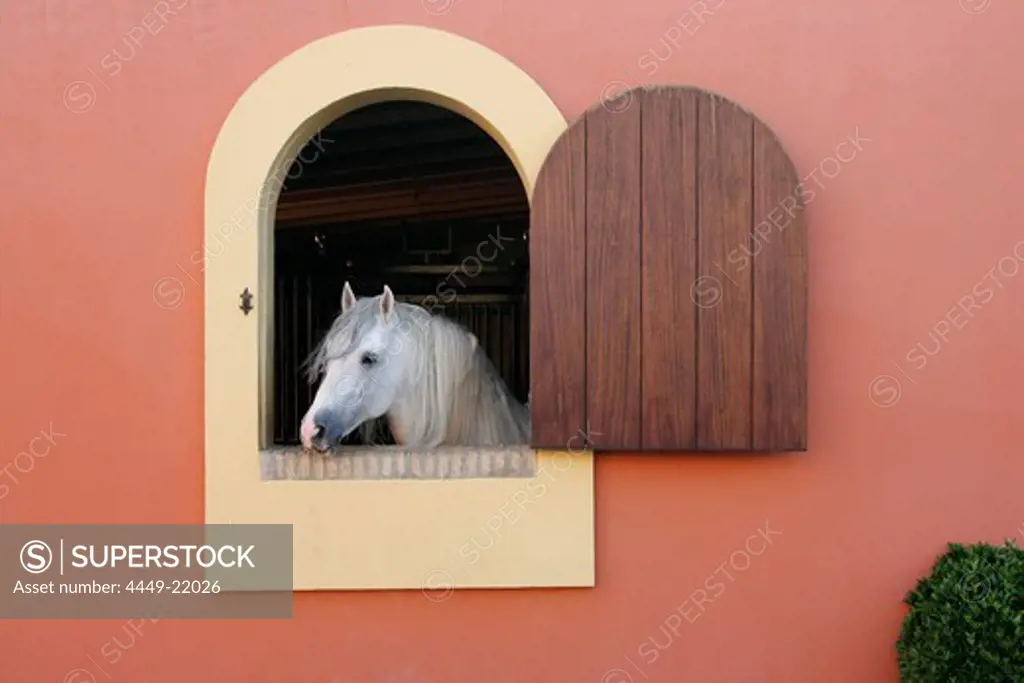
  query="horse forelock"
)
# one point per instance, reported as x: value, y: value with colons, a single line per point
x: 344, y: 333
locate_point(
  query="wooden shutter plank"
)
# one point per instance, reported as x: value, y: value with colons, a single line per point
x: 669, y: 251
x: 613, y: 278
x: 724, y: 352
x: 558, y: 295
x: 780, y: 300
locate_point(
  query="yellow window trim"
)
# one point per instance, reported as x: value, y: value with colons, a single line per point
x: 371, y: 534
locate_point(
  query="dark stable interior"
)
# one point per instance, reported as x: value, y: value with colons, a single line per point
x: 413, y: 196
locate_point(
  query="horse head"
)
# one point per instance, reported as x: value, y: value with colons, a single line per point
x: 363, y: 364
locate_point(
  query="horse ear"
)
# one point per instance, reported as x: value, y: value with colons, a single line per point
x: 348, y: 298
x: 387, y: 303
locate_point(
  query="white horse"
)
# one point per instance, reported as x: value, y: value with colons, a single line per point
x: 427, y: 373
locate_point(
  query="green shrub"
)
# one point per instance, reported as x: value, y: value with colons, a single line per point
x: 966, y: 619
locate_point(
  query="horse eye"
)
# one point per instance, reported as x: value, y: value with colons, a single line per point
x: 369, y: 359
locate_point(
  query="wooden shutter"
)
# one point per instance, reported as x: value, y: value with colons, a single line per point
x: 557, y: 295
x: 669, y: 281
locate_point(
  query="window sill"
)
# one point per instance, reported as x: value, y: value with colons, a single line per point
x: 395, y: 462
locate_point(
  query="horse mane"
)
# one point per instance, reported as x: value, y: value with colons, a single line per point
x: 453, y: 396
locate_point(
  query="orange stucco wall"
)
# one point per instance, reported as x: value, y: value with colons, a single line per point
x: 911, y: 233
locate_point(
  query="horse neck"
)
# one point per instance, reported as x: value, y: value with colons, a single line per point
x: 446, y: 405
x: 484, y: 412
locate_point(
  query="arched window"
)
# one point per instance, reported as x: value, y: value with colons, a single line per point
x: 436, y: 520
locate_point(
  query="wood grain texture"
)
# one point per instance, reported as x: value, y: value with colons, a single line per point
x: 453, y: 194
x: 725, y: 301
x: 558, y: 340
x: 780, y: 300
x: 668, y: 265
x: 613, y: 278
x: 695, y: 326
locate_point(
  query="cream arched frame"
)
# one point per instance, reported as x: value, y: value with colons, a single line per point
x: 370, y: 534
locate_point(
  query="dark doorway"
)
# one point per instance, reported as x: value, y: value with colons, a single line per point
x: 410, y: 195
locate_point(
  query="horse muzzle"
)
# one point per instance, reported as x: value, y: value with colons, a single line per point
x: 324, y: 431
